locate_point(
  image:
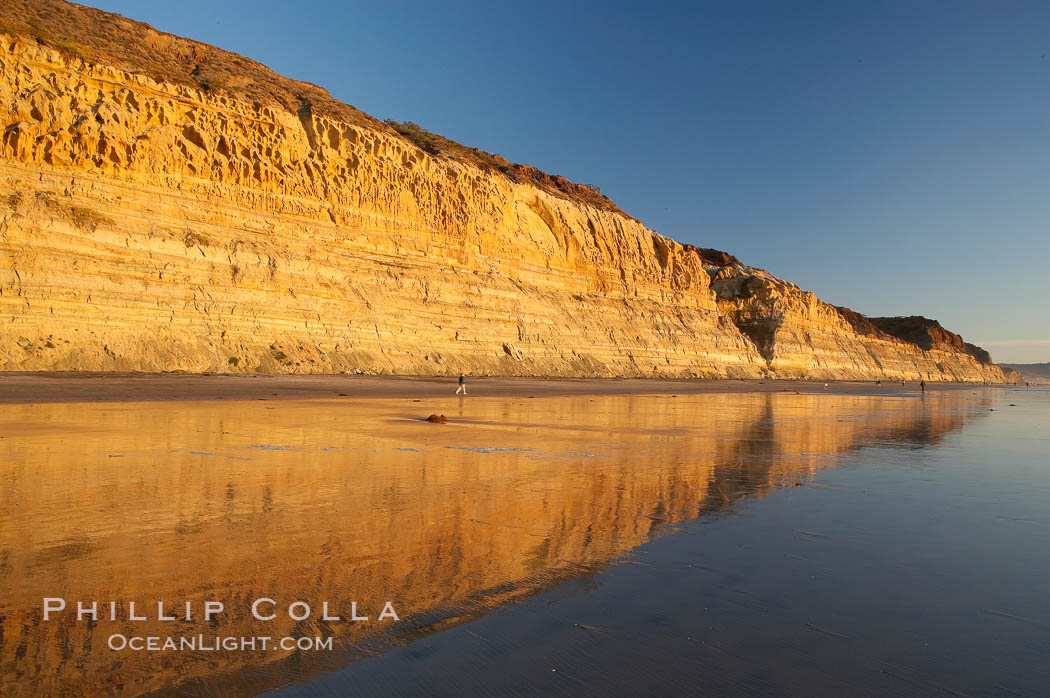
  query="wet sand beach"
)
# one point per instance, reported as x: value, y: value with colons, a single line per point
x: 140, y: 387
x: 780, y: 540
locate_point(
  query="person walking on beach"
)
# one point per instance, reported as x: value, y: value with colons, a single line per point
x: 462, y: 385
x: 922, y: 386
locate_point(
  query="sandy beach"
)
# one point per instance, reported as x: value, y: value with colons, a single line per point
x: 137, y: 387
x: 588, y: 533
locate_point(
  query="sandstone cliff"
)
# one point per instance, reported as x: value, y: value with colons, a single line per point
x: 165, y: 205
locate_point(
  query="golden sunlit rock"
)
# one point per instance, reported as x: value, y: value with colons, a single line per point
x: 155, y: 220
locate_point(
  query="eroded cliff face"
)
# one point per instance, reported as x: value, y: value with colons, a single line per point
x: 802, y: 336
x: 148, y: 224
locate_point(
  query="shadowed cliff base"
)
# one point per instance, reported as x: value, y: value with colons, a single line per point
x: 167, y: 205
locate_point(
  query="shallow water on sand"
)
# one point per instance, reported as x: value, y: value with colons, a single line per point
x: 717, y: 544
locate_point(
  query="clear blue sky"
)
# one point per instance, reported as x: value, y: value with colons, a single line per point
x: 893, y: 157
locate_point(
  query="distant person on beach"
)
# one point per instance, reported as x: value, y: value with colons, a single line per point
x: 462, y: 385
x: 922, y: 386
x: 902, y: 382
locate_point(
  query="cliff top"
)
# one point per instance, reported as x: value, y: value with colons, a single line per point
x: 105, y: 38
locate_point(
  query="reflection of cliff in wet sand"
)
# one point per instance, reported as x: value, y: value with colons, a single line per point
x: 318, y: 500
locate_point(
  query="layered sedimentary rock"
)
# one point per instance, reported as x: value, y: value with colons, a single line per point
x: 802, y: 336
x: 165, y: 205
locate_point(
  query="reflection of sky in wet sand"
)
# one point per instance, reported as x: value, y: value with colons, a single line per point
x: 321, y: 500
